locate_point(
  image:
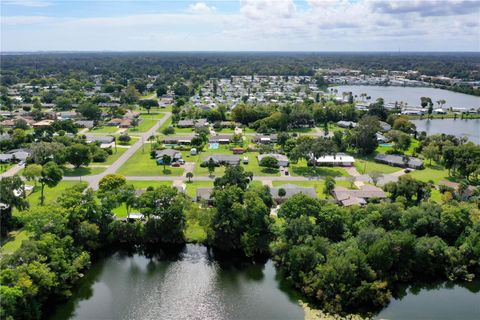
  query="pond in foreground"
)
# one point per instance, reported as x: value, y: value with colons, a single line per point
x: 192, y: 285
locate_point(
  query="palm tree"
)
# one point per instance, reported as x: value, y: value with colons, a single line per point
x: 189, y: 176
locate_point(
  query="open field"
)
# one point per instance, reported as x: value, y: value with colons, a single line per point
x: 144, y: 126
x: 302, y: 169
x: 82, y: 171
x: 141, y: 164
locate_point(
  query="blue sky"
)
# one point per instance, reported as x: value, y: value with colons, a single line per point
x: 245, y: 25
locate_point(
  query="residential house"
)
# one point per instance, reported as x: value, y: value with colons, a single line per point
x: 173, y: 154
x: 338, y: 160
x: 467, y: 193
x: 222, y: 159
x: 399, y: 161
x: 281, y: 158
x: 221, y: 138
x: 349, y: 197
x: 204, y: 194
x: 192, y: 123
x: 85, y: 123
x: 105, y: 141
x: 291, y: 190
x: 178, y: 139
x: 265, y: 138
x: 346, y: 124
x: 65, y: 115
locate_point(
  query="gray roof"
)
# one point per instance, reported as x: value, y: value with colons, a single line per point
x: 178, y: 138
x: 101, y: 139
x: 192, y: 122
x: 398, y: 160
x: 204, y: 193
x: 221, y: 137
x: 291, y: 189
x: 350, y: 197
x: 222, y: 158
x: 170, y: 152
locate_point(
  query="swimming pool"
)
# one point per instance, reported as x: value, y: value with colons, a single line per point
x: 385, y: 144
x: 213, y: 146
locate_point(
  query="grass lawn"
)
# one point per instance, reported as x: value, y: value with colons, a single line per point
x: 140, y: 164
x: 302, y: 169
x: 166, y: 124
x: 51, y: 194
x: 254, y: 166
x: 104, y: 129
x: 256, y: 183
x: 183, y: 130
x: 436, y: 195
x: 224, y: 130
x: 14, y: 241
x: 367, y: 165
x: 82, y: 171
x: 144, y: 126
x: 143, y: 184
x: 301, y: 130
x: 434, y: 172
x: 151, y: 115
x: 317, y: 184
x: 113, y: 157
x: 203, y: 171
x: 194, y: 232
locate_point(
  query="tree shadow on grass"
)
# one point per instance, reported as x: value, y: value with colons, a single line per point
x: 75, y: 172
x: 269, y: 170
x: 316, y: 172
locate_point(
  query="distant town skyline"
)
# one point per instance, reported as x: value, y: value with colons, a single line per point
x: 245, y: 25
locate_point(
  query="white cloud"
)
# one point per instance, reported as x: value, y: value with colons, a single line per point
x: 28, y: 3
x: 201, y: 8
x: 258, y: 25
x: 19, y: 20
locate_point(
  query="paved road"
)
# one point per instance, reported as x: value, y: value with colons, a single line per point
x: 94, y: 179
x: 12, y: 171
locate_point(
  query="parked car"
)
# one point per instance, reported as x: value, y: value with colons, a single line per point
x: 175, y: 164
x: 286, y: 172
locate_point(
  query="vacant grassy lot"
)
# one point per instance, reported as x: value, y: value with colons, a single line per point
x: 302, y: 169
x: 82, y: 171
x: 144, y: 126
x: 113, y: 157
x: 367, y: 164
x: 166, y: 124
x: 104, y: 129
x: 140, y: 164
x: 434, y: 172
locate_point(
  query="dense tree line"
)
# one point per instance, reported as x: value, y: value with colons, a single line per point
x: 77, y: 67
x: 348, y: 260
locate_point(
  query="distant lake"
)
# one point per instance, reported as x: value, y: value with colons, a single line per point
x: 411, y: 95
x: 469, y: 128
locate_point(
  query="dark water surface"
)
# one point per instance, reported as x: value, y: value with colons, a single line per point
x: 193, y: 286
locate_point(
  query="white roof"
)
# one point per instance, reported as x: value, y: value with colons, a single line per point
x: 336, y: 159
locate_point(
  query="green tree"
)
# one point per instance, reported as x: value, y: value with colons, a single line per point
x: 32, y: 173
x: 52, y: 174
x: 166, y: 160
x: 163, y: 207
x: 364, y: 135
x: 10, y: 192
x: 90, y: 111
x: 329, y: 186
x: 78, y: 155
x: 111, y: 182
x: 282, y: 193
x: 211, y: 166
x: 189, y: 176
x: 269, y: 162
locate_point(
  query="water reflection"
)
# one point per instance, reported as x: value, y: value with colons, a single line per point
x: 187, y: 283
